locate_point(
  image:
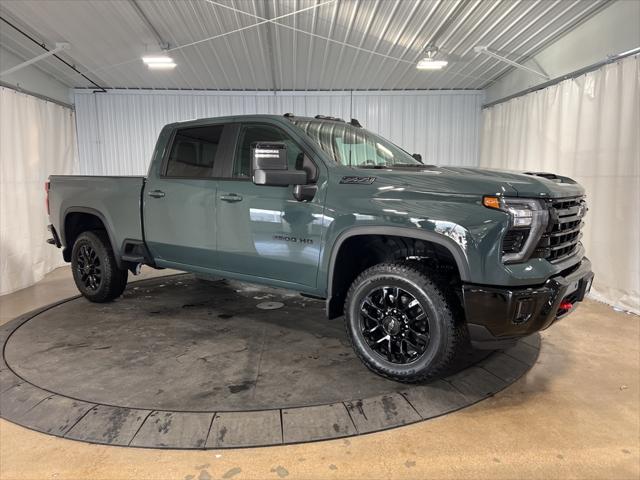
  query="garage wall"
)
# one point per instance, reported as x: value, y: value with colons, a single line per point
x: 587, y: 128
x: 613, y: 30
x: 117, y: 130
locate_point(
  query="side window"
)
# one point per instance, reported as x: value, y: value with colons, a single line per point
x: 194, y: 151
x: 262, y: 133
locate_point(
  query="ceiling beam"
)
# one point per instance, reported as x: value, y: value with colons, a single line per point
x: 163, y: 45
x: 270, y: 41
x: 487, y: 51
x: 289, y: 27
x: 55, y: 55
x: 20, y: 66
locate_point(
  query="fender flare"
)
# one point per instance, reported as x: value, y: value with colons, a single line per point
x: 107, y: 226
x: 456, y: 251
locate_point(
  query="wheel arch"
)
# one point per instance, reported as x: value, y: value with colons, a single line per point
x: 335, y: 292
x: 81, y: 219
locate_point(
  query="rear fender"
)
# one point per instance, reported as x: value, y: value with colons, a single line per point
x: 66, y: 252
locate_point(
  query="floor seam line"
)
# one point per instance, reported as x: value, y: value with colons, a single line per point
x: 411, y: 404
x: 206, y: 440
x: 79, y: 420
x: 351, y: 418
x: 140, y: 427
x: 38, y: 403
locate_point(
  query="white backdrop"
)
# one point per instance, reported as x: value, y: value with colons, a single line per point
x: 117, y: 130
x: 589, y: 129
x: 37, y: 139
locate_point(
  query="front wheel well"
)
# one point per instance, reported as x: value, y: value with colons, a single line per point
x: 359, y: 252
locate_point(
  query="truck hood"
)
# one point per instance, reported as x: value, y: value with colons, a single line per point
x: 474, y: 181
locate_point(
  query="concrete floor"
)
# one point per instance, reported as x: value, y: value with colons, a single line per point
x: 576, y: 414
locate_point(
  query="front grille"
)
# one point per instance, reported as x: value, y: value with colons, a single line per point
x: 563, y: 234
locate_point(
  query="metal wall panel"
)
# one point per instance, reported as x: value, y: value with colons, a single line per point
x: 117, y: 130
x: 442, y: 126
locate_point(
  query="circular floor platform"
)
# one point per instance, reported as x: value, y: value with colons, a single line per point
x: 182, y: 363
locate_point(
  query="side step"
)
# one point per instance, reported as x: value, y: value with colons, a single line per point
x: 133, y: 258
x: 135, y: 252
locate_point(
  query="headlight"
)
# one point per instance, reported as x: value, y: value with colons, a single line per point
x: 529, y: 218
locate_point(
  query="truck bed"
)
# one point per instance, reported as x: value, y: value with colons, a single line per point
x: 116, y: 200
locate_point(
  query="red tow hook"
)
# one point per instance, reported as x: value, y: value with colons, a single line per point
x: 566, y: 306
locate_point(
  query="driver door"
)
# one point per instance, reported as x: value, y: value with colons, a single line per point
x: 262, y: 230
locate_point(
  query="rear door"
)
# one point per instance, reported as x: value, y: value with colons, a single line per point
x: 264, y: 231
x: 180, y: 202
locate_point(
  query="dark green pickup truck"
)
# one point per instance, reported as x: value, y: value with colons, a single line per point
x: 419, y: 259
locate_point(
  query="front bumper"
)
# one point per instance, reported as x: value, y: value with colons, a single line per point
x: 497, y: 317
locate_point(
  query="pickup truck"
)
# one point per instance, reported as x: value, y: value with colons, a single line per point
x: 419, y: 259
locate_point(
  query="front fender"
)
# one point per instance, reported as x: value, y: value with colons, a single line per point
x: 450, y: 239
x: 460, y: 223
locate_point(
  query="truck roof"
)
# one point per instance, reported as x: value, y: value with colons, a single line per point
x: 278, y: 118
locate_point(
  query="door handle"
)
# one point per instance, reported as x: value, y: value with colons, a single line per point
x: 156, y: 193
x: 232, y: 197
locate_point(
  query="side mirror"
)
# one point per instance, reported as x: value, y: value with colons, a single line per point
x: 417, y: 156
x: 270, y: 166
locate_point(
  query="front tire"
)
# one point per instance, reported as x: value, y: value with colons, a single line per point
x: 94, y: 267
x: 401, y: 324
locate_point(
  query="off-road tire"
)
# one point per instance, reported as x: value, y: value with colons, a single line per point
x: 113, y: 280
x: 447, y: 331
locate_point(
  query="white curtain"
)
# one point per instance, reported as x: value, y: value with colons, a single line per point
x: 587, y: 128
x: 37, y: 139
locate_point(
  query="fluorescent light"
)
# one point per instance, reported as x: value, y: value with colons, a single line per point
x: 157, y: 59
x: 159, y: 62
x: 431, y: 64
x: 161, y: 66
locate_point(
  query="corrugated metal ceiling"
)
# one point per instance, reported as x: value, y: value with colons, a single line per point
x: 327, y: 45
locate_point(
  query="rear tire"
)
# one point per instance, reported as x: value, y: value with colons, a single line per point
x: 94, y: 267
x: 401, y: 323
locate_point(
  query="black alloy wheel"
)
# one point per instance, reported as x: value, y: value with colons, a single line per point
x: 95, y: 269
x: 394, y: 324
x: 403, y: 323
x: 88, y: 266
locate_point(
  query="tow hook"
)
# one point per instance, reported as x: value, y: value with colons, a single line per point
x: 564, y: 308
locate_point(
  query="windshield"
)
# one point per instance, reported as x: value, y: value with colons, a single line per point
x: 354, y: 146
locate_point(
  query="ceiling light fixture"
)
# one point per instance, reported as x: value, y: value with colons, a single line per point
x: 431, y: 64
x: 429, y: 61
x: 161, y: 66
x: 157, y: 59
x: 159, y: 62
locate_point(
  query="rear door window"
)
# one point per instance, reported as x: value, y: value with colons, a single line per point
x: 193, y: 153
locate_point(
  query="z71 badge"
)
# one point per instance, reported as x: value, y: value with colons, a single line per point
x: 358, y: 180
